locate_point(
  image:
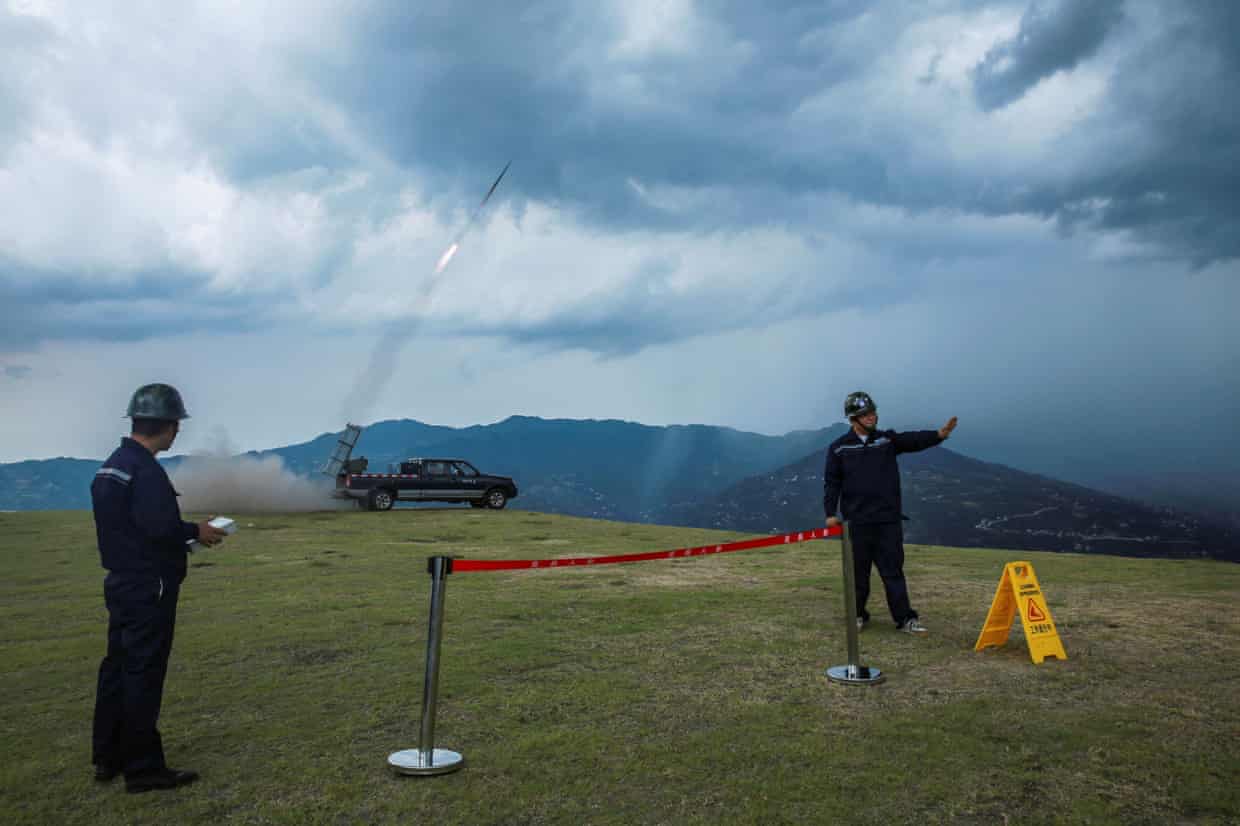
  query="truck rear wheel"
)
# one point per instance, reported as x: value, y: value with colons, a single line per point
x: 381, y: 499
x: 496, y: 499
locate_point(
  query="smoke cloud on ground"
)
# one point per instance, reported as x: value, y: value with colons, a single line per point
x: 220, y: 482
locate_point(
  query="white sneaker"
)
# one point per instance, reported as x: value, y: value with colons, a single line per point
x: 914, y: 626
x: 861, y: 621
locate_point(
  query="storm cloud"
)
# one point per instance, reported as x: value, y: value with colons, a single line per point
x: 327, y: 155
x: 1053, y: 37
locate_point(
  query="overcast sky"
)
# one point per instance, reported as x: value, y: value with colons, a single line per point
x: 1024, y: 214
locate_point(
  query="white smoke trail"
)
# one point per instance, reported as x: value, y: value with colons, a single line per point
x: 373, y: 380
x: 219, y: 482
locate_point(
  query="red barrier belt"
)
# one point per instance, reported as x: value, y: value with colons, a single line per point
x: 464, y: 565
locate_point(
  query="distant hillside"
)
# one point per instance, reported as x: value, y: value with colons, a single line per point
x: 601, y: 468
x: 953, y: 500
x: 1213, y: 495
x: 51, y: 484
x: 46, y: 484
x: 609, y: 468
x: 722, y: 478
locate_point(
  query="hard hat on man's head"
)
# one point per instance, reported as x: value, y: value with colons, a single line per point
x: 157, y: 401
x: 858, y: 404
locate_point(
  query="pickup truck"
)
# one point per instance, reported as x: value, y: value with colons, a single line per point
x: 423, y: 480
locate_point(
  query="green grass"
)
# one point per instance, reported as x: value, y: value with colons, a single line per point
x: 678, y: 692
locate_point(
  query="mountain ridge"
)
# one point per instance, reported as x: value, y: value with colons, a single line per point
x: 954, y: 500
x: 708, y: 476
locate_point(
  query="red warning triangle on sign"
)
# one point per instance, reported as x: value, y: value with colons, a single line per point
x: 1035, y: 613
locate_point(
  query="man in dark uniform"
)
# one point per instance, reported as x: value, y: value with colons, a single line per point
x: 862, y: 482
x: 143, y: 546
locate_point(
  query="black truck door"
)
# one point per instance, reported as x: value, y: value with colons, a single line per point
x: 467, y: 482
x: 412, y: 480
x: 436, y: 483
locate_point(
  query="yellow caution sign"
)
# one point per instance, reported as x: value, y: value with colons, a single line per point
x: 1019, y: 592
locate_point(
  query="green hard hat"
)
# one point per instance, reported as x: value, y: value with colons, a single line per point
x: 858, y: 404
x: 157, y: 401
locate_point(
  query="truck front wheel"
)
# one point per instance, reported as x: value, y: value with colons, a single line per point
x: 496, y: 499
x: 381, y: 499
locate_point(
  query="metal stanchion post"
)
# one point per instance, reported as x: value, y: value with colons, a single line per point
x: 426, y: 759
x: 853, y: 673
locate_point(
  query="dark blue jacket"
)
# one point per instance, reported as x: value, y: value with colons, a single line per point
x: 862, y: 477
x: 137, y: 519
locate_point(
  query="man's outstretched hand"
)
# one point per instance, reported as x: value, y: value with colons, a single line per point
x: 946, y: 430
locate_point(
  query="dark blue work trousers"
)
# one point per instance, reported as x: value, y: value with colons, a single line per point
x: 142, y: 612
x: 881, y: 545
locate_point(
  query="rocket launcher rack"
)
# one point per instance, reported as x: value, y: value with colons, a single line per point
x: 344, y: 450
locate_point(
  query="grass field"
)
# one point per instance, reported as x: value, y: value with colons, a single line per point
x: 686, y: 691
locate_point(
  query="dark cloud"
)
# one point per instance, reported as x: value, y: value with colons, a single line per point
x: 43, y: 305
x: 250, y: 143
x: 1168, y: 166
x: 647, y: 308
x: 1053, y: 37
x: 552, y: 86
x: 610, y: 131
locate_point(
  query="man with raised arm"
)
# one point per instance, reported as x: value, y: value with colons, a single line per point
x: 862, y: 487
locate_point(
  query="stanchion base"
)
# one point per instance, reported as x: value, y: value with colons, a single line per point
x: 854, y: 675
x: 410, y: 761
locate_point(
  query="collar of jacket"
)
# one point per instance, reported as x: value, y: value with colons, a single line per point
x: 851, y: 437
x: 138, y: 449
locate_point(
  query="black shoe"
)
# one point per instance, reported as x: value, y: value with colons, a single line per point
x: 158, y: 780
x: 104, y: 773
